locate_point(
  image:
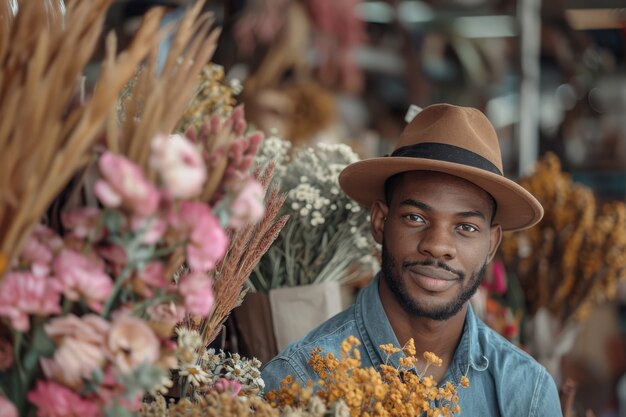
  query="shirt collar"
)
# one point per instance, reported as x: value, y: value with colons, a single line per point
x: 375, y: 330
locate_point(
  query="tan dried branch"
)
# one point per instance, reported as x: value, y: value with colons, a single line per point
x: 46, y: 135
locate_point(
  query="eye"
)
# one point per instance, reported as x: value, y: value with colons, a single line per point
x: 465, y: 227
x: 414, y: 218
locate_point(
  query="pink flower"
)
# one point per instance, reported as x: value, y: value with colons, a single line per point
x: 226, y: 385
x: 248, y: 205
x: 125, y: 184
x: 39, y: 249
x: 164, y: 317
x: 82, y: 222
x: 54, y: 400
x: 152, y: 228
x: 37, y: 255
x: 7, y: 409
x: 152, y: 276
x: 496, y: 282
x: 132, y: 343
x: 80, y: 348
x: 207, y: 240
x: 197, y: 291
x: 83, y: 278
x: 180, y: 165
x: 23, y: 294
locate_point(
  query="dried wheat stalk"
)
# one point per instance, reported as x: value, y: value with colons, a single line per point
x: 159, y: 97
x: 45, y: 134
x: 246, y: 248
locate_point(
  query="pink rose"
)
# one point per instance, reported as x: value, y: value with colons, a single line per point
x: 248, y: 206
x: 82, y: 222
x: 83, y: 278
x: 197, y: 291
x: 207, y: 240
x: 54, y: 400
x: 39, y: 249
x: 180, y: 165
x: 152, y: 276
x: 152, y: 228
x: 7, y: 409
x: 37, y: 255
x: 125, y: 184
x: 80, y: 348
x: 132, y: 343
x: 24, y: 293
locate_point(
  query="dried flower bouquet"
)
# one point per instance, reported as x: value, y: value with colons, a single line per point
x: 576, y: 256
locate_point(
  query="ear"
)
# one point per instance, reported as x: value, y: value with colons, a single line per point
x: 494, y: 241
x: 378, y: 215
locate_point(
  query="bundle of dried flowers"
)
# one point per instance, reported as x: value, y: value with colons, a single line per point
x: 46, y: 134
x: 576, y: 255
x: 214, y: 404
x: 155, y: 100
x: 401, y: 392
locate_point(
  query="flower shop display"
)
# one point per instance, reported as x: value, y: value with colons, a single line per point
x: 305, y: 276
x: 47, y: 133
x: 88, y: 309
x: 575, y: 257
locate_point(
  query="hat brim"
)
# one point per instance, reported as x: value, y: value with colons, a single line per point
x: 517, y: 209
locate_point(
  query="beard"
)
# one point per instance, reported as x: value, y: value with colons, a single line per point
x: 411, y: 305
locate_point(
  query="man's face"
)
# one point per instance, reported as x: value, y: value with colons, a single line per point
x: 437, y: 238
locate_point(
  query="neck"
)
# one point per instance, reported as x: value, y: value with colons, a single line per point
x: 440, y: 337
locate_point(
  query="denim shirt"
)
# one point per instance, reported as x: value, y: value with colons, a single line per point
x: 504, y: 380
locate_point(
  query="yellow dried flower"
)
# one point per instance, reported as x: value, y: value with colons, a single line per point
x: 366, y: 392
x: 433, y: 359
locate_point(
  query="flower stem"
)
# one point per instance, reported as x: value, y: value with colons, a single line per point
x: 106, y: 310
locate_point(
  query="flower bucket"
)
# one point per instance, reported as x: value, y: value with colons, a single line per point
x: 255, y: 332
x: 267, y: 323
x: 298, y: 310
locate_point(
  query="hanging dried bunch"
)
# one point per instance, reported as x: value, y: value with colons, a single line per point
x: 575, y: 255
x: 46, y: 133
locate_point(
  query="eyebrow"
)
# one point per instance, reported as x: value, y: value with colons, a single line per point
x: 427, y: 208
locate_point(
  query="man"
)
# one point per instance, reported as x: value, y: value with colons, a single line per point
x: 438, y: 206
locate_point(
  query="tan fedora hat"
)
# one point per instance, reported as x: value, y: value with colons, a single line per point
x: 455, y: 140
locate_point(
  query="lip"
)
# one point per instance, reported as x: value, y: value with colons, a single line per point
x: 433, y: 279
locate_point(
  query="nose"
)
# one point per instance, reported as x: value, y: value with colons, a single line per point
x: 437, y: 242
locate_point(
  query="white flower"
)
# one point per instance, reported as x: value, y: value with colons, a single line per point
x: 196, y: 375
x: 189, y: 339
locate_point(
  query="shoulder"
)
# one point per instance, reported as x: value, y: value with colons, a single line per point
x: 497, y: 348
x: 294, y: 359
x: 523, y: 383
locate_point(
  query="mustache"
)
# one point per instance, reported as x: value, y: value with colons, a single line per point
x: 436, y: 263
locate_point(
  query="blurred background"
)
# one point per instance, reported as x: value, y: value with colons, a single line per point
x: 550, y: 75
